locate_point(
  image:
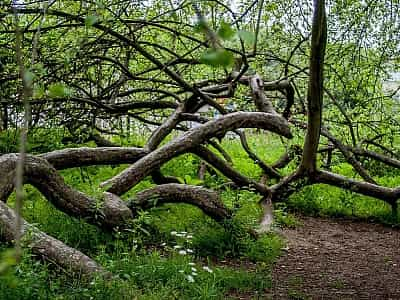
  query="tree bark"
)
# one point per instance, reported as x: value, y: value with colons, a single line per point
x: 108, y: 212
x: 228, y: 171
x: 47, y: 247
x: 85, y: 156
x: 124, y: 181
x: 315, y: 88
x: 208, y: 201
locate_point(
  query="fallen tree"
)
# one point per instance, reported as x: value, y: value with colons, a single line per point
x: 47, y: 247
x: 177, y: 102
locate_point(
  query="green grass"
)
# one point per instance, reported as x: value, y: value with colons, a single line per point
x: 146, y: 261
x: 319, y: 199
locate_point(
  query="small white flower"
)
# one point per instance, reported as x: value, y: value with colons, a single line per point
x: 194, y: 273
x: 182, y: 252
x: 189, y: 250
x: 205, y: 268
x: 173, y: 232
x: 183, y: 232
x: 181, y: 271
x: 194, y: 269
x: 189, y: 236
x: 163, y: 244
x: 177, y: 247
x: 190, y: 278
x: 191, y: 264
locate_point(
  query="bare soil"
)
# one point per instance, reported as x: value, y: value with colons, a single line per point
x: 338, y: 259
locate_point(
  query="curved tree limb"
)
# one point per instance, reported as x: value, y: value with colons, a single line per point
x: 208, y: 201
x: 349, y: 156
x: 270, y: 171
x: 47, y: 247
x: 162, y: 131
x: 267, y: 169
x: 376, y: 156
x: 85, y: 156
x: 389, y: 195
x: 107, y: 213
x: 194, y: 137
x: 228, y: 171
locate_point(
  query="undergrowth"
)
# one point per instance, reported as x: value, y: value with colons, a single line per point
x: 175, y: 251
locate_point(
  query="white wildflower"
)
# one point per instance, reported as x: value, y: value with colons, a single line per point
x: 173, y: 232
x: 191, y: 264
x: 205, y: 268
x: 182, y: 252
x: 189, y: 250
x: 181, y: 271
x: 190, y: 278
x: 177, y: 247
x: 194, y: 269
x: 189, y: 236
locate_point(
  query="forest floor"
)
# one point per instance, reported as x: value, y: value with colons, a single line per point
x: 338, y: 259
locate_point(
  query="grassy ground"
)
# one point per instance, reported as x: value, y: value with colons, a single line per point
x: 175, y: 251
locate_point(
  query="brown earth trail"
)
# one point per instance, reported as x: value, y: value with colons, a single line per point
x: 338, y: 259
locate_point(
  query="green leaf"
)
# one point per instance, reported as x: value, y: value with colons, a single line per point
x: 38, y: 91
x: 201, y: 26
x: 39, y: 69
x: 180, y: 179
x: 196, y: 181
x: 58, y: 90
x: 7, y: 260
x: 174, y: 16
x: 248, y: 37
x: 276, y: 28
x: 217, y: 58
x: 271, y: 7
x: 188, y: 179
x: 91, y: 20
x: 225, y: 31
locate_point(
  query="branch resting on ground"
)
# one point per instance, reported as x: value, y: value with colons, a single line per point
x: 127, y: 179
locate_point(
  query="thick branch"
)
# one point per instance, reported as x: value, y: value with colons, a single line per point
x: 162, y: 131
x: 85, y: 156
x: 260, y: 99
x: 228, y: 171
x: 377, y: 156
x: 287, y: 157
x: 270, y: 171
x: 349, y: 156
x: 267, y: 169
x: 208, y: 201
x: 194, y: 137
x: 315, y: 88
x: 47, y: 247
x: 389, y: 195
x: 108, y: 213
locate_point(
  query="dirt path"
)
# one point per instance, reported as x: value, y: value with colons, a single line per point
x: 338, y: 259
